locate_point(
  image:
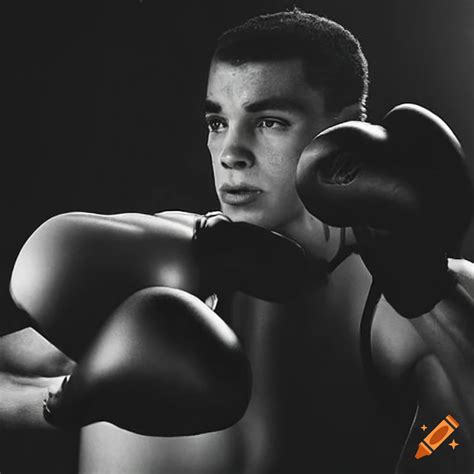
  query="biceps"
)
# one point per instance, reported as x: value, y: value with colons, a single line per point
x: 436, y: 400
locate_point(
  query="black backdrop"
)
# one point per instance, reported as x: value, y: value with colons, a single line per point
x: 104, y: 98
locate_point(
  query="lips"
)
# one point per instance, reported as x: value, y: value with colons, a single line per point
x: 239, y: 194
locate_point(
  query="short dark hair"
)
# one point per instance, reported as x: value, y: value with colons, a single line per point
x: 332, y: 57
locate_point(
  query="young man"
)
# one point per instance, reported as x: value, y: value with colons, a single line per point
x: 274, y: 83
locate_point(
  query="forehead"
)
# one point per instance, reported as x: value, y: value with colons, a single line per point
x: 240, y: 85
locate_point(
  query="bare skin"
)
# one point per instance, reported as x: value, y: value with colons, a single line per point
x: 29, y: 367
x: 311, y: 408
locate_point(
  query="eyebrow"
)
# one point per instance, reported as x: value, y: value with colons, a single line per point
x: 270, y: 103
x: 211, y: 107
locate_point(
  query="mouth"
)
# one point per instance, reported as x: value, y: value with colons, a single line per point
x: 239, y: 195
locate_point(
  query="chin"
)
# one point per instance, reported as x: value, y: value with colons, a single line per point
x: 261, y: 217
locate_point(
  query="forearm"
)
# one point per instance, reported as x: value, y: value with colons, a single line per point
x: 29, y: 364
x: 21, y: 402
x: 28, y: 443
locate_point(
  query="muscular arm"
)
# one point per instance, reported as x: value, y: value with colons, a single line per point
x: 448, y: 331
x: 28, y: 366
x: 434, y: 354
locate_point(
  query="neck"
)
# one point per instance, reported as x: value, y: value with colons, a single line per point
x: 318, y: 240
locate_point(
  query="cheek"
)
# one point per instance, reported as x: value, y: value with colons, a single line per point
x: 281, y: 170
x: 285, y: 160
x: 282, y: 167
x: 286, y: 151
x: 284, y: 195
x: 211, y: 146
x: 214, y: 160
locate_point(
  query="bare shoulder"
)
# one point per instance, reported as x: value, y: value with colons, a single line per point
x: 464, y: 271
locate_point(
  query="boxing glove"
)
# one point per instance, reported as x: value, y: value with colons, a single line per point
x: 77, y: 268
x: 162, y: 364
x: 403, y: 187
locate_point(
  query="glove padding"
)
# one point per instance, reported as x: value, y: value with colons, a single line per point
x: 163, y: 364
x: 252, y: 259
x: 405, y: 190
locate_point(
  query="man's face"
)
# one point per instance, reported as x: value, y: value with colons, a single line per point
x: 261, y: 115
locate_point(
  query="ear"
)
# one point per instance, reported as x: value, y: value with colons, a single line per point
x: 350, y: 112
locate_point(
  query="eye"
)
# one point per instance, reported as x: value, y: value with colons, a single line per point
x: 272, y: 123
x: 215, y: 124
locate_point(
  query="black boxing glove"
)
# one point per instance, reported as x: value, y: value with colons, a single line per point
x: 404, y: 188
x: 163, y: 364
x: 238, y: 255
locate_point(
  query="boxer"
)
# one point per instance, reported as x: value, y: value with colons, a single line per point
x: 321, y: 401
x: 274, y: 84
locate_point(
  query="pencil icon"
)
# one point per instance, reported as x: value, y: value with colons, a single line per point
x: 436, y: 437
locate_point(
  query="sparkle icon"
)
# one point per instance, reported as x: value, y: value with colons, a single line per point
x: 437, y: 436
x: 453, y: 444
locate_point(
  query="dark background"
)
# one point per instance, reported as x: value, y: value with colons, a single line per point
x: 103, y: 101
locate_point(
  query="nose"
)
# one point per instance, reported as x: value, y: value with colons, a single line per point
x: 237, y: 153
